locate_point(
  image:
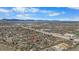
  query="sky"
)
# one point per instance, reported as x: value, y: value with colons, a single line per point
x: 40, y: 13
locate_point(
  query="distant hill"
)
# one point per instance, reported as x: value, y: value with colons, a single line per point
x: 32, y: 20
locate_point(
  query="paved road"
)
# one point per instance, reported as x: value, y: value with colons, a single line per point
x: 53, y: 34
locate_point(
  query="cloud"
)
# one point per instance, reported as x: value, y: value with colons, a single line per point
x: 76, y: 18
x: 45, y: 11
x: 19, y: 9
x: 55, y: 13
x: 76, y: 8
x: 4, y: 10
x: 25, y: 9
x: 65, y: 19
x: 26, y: 17
x: 1, y: 18
x: 22, y: 16
x: 69, y: 19
x: 34, y: 10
